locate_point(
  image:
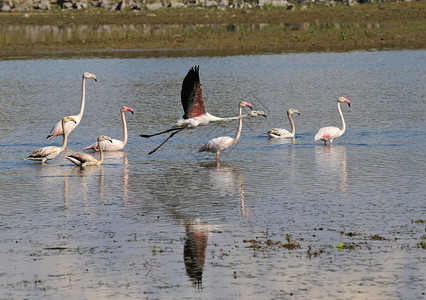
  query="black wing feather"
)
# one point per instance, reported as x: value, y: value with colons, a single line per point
x: 189, y: 89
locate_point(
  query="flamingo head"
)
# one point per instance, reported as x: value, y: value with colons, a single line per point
x: 243, y: 103
x: 104, y: 138
x: 255, y: 113
x: 125, y: 108
x: 69, y: 119
x: 293, y: 111
x: 343, y: 99
x: 88, y: 75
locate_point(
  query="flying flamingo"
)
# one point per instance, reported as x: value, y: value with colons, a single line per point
x: 115, y: 145
x: 195, y: 112
x: 278, y: 133
x: 57, y: 129
x: 84, y: 159
x: 330, y: 133
x: 219, y: 144
x: 50, y: 152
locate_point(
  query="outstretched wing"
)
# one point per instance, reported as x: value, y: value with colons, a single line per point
x: 192, y: 95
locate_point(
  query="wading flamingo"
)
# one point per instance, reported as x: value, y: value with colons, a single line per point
x: 57, y: 129
x: 219, y: 144
x: 279, y: 133
x: 195, y: 112
x: 115, y: 145
x: 50, y: 152
x: 330, y: 133
x: 84, y: 159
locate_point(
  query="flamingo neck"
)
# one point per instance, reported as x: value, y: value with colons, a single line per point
x: 123, y: 118
x: 237, y: 117
x: 101, y: 155
x: 83, y: 97
x: 342, y: 119
x: 65, y: 137
x: 293, y: 129
x: 240, y: 125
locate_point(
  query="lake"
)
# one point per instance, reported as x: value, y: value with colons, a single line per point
x: 276, y: 219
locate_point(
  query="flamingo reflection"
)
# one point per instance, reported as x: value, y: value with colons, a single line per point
x: 194, y: 250
x: 331, y: 162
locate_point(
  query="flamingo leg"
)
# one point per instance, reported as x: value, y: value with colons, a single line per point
x: 217, y: 158
x: 170, y: 136
x: 161, y: 132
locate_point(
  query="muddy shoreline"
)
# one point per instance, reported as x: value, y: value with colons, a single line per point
x: 319, y: 28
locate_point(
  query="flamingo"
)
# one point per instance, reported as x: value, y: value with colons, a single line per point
x: 278, y: 133
x: 195, y: 112
x: 84, y: 159
x: 330, y: 133
x: 57, y: 129
x: 217, y: 145
x: 115, y: 145
x: 50, y: 152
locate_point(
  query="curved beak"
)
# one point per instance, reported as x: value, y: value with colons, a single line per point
x: 94, y: 77
x: 110, y: 141
x: 349, y: 104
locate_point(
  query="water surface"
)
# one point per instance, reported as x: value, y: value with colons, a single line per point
x: 175, y: 224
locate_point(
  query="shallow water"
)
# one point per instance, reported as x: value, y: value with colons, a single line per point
x: 176, y: 225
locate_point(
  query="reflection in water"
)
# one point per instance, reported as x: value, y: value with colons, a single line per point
x: 225, y: 179
x: 331, y: 162
x: 283, y: 141
x: 194, y: 250
x: 120, y: 158
x: 86, y: 175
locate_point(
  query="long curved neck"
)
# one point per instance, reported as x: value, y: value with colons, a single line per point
x: 238, y: 117
x: 101, y: 156
x: 65, y: 138
x: 341, y: 118
x: 83, y: 97
x: 123, y: 118
x: 240, y: 125
x: 293, y: 129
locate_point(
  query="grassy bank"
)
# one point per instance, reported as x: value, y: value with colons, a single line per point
x: 366, y: 25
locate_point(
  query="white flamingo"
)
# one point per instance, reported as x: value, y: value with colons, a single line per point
x: 115, y: 145
x: 50, y: 152
x: 57, y: 129
x: 195, y: 112
x: 330, y: 133
x: 217, y: 145
x: 84, y: 159
x: 279, y: 133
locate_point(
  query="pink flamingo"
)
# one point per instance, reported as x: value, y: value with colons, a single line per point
x: 195, y: 112
x: 57, y: 129
x: 50, y: 152
x: 115, y: 145
x: 330, y: 133
x: 84, y: 159
x: 219, y: 144
x: 279, y: 133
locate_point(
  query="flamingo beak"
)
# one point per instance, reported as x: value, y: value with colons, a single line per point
x: 94, y: 77
x: 249, y: 106
x: 349, y: 104
x: 110, y: 141
x: 131, y: 110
